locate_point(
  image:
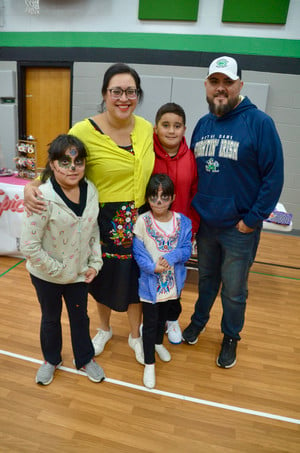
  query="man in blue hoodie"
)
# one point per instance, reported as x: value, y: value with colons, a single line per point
x: 240, y: 168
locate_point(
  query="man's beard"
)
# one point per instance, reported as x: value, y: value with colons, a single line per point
x: 221, y: 109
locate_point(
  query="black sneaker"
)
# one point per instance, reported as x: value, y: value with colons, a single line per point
x: 191, y: 333
x: 227, y: 357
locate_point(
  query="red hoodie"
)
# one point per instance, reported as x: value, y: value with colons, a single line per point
x: 182, y: 170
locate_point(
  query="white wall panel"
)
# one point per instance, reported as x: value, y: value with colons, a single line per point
x: 8, y: 135
x: 157, y: 91
x: 190, y: 94
x: 7, y: 84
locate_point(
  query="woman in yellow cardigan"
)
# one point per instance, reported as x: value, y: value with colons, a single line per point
x: 119, y: 162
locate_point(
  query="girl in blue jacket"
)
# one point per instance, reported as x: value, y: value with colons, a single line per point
x: 161, y: 246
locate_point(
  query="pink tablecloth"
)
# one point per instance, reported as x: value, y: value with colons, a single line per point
x: 13, y: 180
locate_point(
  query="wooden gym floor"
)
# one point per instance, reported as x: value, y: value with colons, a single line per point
x: 196, y: 406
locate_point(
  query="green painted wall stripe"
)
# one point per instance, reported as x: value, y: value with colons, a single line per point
x: 159, y: 41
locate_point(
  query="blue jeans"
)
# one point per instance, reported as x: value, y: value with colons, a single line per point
x: 224, y: 260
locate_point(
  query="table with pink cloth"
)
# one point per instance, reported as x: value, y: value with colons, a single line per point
x: 11, y: 214
x: 12, y: 208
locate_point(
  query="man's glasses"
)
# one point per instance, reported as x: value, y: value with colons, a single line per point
x: 117, y: 92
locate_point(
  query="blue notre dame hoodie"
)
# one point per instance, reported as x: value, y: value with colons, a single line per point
x: 240, y: 166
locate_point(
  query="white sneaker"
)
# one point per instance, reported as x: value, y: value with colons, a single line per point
x: 163, y: 353
x: 100, y: 340
x: 174, y: 332
x: 137, y: 345
x: 149, y: 376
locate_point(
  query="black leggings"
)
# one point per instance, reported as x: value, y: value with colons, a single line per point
x: 50, y: 298
x: 174, y: 310
x: 154, y: 322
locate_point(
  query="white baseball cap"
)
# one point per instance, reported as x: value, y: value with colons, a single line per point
x: 225, y: 65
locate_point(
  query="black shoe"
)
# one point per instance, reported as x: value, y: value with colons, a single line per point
x: 191, y: 333
x: 227, y: 357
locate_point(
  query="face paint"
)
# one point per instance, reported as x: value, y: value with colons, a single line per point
x: 73, y: 152
x: 160, y: 204
x: 69, y: 162
x: 159, y: 199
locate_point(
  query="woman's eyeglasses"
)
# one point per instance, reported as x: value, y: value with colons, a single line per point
x: 117, y: 92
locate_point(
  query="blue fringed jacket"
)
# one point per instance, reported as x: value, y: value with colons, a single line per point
x: 148, y: 280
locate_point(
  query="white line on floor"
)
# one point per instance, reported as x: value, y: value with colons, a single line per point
x: 167, y: 394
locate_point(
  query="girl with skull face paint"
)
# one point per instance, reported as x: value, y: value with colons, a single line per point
x: 161, y: 246
x: 63, y: 254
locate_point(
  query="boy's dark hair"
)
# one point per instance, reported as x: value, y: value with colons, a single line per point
x: 57, y: 149
x: 157, y: 180
x: 120, y: 68
x: 170, y: 107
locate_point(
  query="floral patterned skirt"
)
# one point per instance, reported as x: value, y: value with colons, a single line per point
x: 116, y: 285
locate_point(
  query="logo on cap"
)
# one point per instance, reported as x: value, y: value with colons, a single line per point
x: 222, y: 63
x: 225, y: 65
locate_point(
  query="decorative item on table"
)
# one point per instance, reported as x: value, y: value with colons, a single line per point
x: 21, y: 162
x: 30, y: 164
x: 22, y: 148
x: 30, y: 149
x: 25, y: 148
x: 6, y: 172
x: 280, y: 217
x: 26, y: 158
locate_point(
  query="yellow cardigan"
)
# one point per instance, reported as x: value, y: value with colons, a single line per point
x: 117, y: 174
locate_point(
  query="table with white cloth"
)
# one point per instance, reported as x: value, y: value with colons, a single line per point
x: 11, y: 214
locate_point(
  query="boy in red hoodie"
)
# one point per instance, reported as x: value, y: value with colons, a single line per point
x: 173, y: 157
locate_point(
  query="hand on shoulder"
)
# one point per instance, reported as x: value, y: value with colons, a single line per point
x: 33, y: 198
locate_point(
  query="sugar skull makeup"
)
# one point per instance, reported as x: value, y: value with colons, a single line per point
x: 160, y: 198
x: 70, y: 161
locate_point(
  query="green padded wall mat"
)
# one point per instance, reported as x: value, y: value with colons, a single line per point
x: 256, y: 11
x: 185, y: 10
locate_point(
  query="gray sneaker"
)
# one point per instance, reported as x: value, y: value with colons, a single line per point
x: 94, y: 372
x: 45, y: 373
